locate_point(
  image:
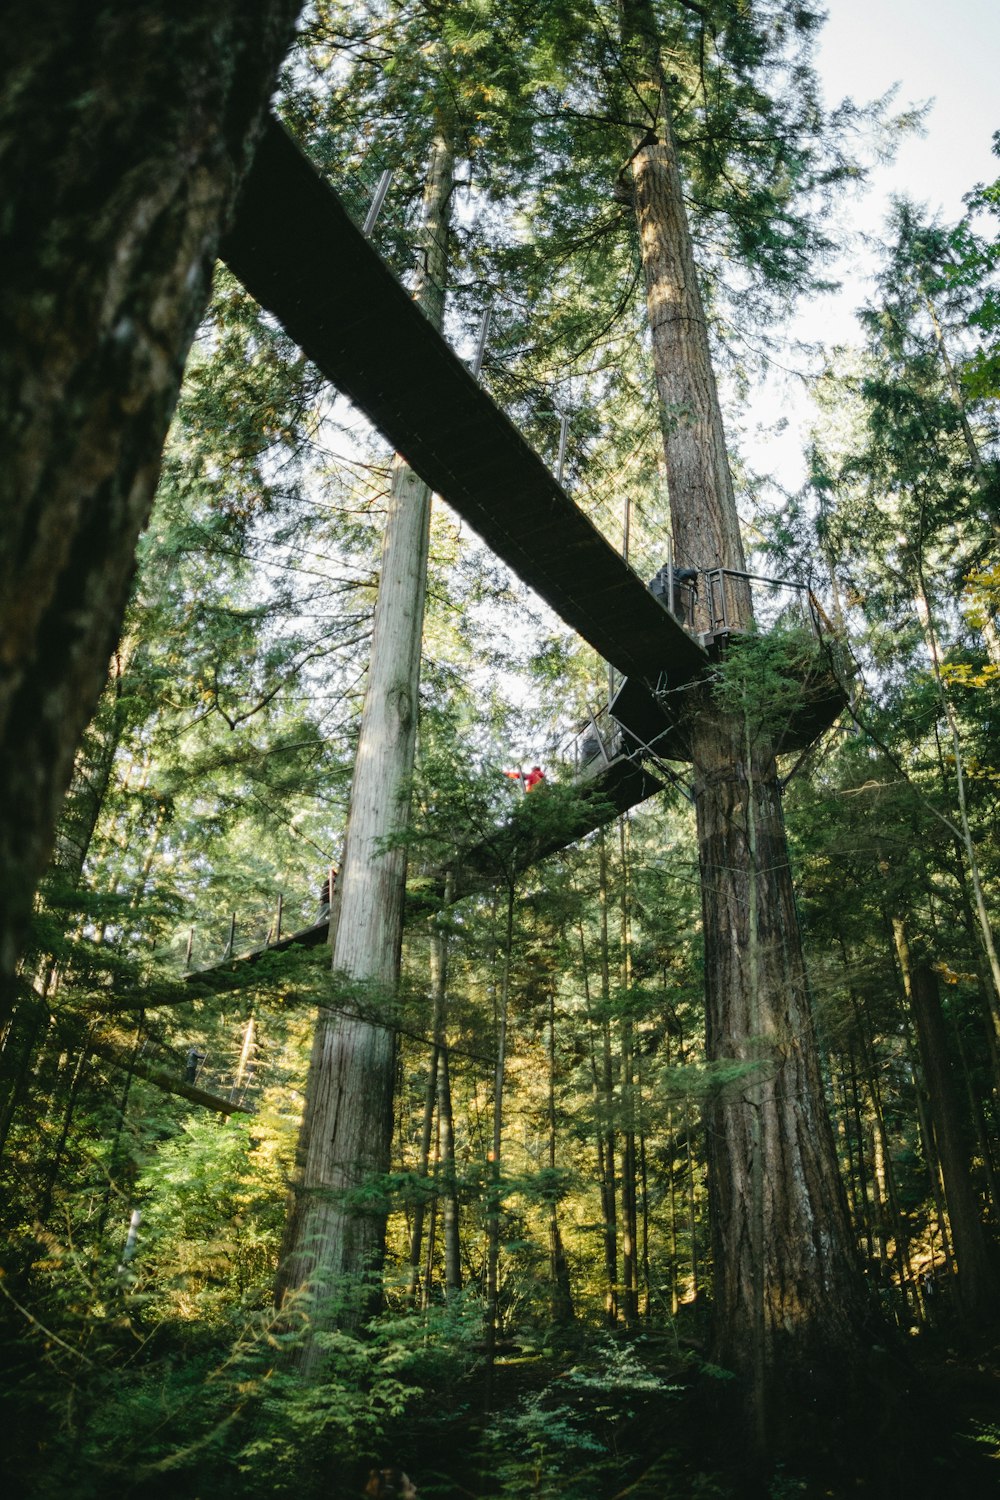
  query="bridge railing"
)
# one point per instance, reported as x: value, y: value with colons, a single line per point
x: 594, y: 743
x: 776, y: 602
x: 231, y: 1067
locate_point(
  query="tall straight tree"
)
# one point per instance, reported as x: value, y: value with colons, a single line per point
x: 788, y: 1292
x: 335, y: 1229
x: 124, y: 131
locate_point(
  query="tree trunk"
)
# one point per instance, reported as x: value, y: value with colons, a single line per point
x: 609, y: 1188
x: 789, y: 1295
x: 976, y: 1280
x: 494, y: 1201
x: 450, y: 1226
x: 439, y: 982
x: 124, y: 131
x: 336, y: 1227
x: 561, y: 1291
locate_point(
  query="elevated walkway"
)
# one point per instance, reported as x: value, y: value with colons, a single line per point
x: 609, y: 782
x: 296, y: 249
x: 299, y: 253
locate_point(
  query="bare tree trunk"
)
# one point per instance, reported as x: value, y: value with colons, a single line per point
x: 439, y: 981
x: 494, y: 1202
x: 419, y: 1207
x: 336, y: 1227
x: 925, y: 1123
x: 450, y: 1227
x: 976, y: 1281
x: 790, y: 1298
x: 124, y: 132
x: 609, y: 1193
x: 561, y: 1295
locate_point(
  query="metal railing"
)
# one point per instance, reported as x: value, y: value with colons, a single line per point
x: 593, y: 744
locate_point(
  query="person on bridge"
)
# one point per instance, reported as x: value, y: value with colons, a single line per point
x: 192, y: 1063
x: 530, y: 781
x: 677, y: 590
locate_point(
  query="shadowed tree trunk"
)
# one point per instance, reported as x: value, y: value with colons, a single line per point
x: 124, y: 131
x: 976, y: 1281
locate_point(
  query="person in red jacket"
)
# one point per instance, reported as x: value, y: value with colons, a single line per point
x: 533, y: 778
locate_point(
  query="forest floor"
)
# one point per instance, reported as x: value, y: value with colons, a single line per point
x: 584, y: 1414
x: 573, y: 1425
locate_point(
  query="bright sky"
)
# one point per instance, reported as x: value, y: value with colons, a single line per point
x: 947, y: 51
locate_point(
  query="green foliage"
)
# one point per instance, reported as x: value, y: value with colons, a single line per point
x: 579, y: 1435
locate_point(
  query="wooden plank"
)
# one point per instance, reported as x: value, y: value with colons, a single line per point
x: 296, y: 249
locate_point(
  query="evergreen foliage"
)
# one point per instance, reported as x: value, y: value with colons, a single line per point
x: 539, y: 1325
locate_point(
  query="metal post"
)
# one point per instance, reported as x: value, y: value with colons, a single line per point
x: 376, y: 204
x: 484, y: 330
x: 232, y: 937
x: 277, y: 919
x: 561, y: 460
x: 670, y: 572
x: 190, y: 946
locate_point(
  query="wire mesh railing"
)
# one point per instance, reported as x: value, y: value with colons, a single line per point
x: 229, y: 1067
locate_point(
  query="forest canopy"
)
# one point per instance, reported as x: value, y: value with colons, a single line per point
x: 440, y: 1058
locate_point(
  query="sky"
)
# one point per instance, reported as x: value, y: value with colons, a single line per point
x: 945, y: 51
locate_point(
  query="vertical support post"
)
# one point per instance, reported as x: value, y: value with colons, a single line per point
x: 188, y: 951
x: 561, y: 460
x: 277, y: 917
x: 228, y: 951
x: 670, y: 573
x: 484, y: 333
x: 376, y: 204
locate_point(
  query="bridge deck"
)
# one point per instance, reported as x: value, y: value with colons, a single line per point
x: 524, y: 839
x: 296, y: 249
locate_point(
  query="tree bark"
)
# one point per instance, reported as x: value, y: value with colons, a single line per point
x: 789, y: 1295
x: 124, y: 132
x: 976, y: 1282
x: 560, y: 1288
x: 335, y: 1234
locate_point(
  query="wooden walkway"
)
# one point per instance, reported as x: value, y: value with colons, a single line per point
x: 298, y: 252
x: 603, y: 792
x: 296, y: 249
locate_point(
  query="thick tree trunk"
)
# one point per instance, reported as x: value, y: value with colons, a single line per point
x: 788, y: 1294
x: 124, y: 130
x: 335, y: 1234
x: 789, y: 1298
